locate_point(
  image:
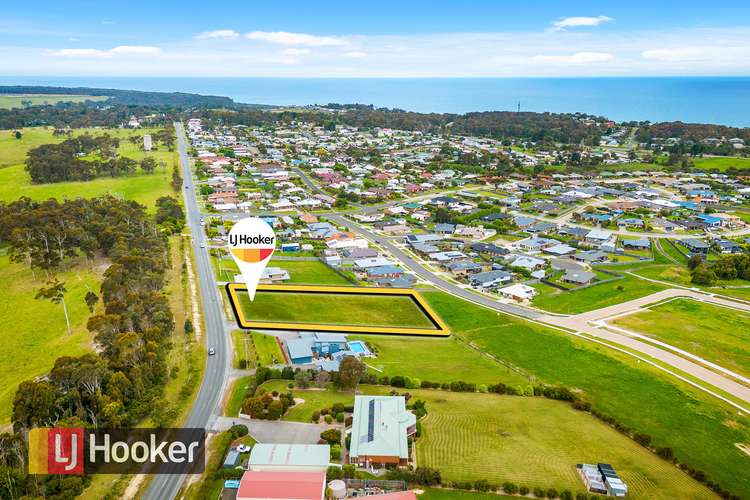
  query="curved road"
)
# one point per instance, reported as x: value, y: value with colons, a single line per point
x: 217, y: 366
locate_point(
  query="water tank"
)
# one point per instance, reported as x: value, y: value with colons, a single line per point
x: 338, y: 488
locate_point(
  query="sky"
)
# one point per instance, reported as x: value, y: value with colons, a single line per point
x: 381, y: 38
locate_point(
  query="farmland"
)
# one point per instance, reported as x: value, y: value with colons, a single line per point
x: 38, y: 335
x: 8, y: 101
x: 340, y: 309
x: 536, y: 442
x: 718, y: 334
x: 143, y: 188
x: 701, y: 431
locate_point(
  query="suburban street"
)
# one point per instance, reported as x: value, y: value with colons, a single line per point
x: 217, y: 366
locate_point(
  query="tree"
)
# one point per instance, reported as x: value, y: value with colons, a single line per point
x: 351, y: 371
x: 302, y: 379
x: 188, y: 326
x: 703, y: 275
x: 18, y: 134
x: 91, y: 299
x: 331, y: 436
x: 148, y: 164
x: 55, y: 292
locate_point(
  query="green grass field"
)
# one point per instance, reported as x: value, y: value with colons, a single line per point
x: 314, y: 399
x: 362, y: 310
x: 721, y: 163
x: 536, y: 442
x: 8, y: 101
x: 593, y: 297
x: 143, y: 188
x: 701, y: 430
x: 34, y: 330
x: 446, y: 494
x: 301, y: 272
x: 436, y: 360
x: 718, y: 334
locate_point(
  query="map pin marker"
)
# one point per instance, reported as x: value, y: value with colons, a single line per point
x: 251, y: 243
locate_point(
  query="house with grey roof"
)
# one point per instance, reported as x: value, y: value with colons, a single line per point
x: 490, y: 279
x: 380, y: 430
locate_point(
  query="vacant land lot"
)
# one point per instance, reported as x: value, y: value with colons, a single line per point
x: 301, y: 272
x: 536, y: 442
x: 33, y: 333
x: 143, y: 188
x: 436, y: 360
x: 339, y: 309
x: 257, y: 348
x: 593, y: 297
x: 8, y: 101
x: 718, y: 334
x: 700, y: 429
x: 721, y: 163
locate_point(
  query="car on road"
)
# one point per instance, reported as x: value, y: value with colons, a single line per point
x: 203, y: 245
x: 211, y: 351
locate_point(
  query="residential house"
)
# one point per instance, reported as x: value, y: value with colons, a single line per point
x: 489, y: 279
x: 380, y: 430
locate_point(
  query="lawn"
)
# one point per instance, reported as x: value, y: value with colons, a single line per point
x: 314, y: 399
x: 301, y: 272
x: 536, y: 442
x: 34, y: 335
x: 718, y: 334
x: 8, y: 101
x: 701, y: 430
x: 445, y: 494
x: 143, y: 188
x: 259, y: 349
x: 340, y: 309
x: 593, y: 297
x: 436, y: 360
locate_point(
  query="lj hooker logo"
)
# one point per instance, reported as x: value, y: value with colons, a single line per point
x: 56, y: 451
x: 116, y: 451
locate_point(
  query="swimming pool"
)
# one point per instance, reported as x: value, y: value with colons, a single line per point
x: 359, y: 347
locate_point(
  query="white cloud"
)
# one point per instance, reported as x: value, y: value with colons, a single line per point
x: 355, y: 54
x: 295, y: 52
x: 218, y: 35
x: 578, y: 21
x: 136, y: 50
x: 577, y: 58
x: 685, y: 54
x: 287, y: 38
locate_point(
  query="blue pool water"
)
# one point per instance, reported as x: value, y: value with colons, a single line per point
x: 358, y: 347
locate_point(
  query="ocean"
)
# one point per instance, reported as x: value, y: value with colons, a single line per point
x: 719, y: 100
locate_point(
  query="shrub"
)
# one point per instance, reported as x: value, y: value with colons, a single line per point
x: 340, y: 417
x: 243, y: 364
x: 337, y: 408
x: 316, y: 416
x: 510, y: 488
x: 336, y: 452
x: 566, y: 495
x: 238, y: 430
x: 332, y: 436
x: 329, y: 419
x: 551, y: 493
x: 523, y: 490
x: 539, y: 492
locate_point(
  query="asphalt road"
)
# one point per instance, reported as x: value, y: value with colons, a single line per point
x: 430, y: 277
x: 218, y: 366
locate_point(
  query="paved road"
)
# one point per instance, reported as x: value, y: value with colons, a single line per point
x: 431, y: 277
x: 217, y: 366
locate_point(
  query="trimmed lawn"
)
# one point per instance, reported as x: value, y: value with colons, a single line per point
x: 536, y: 442
x: 701, y: 430
x: 718, y: 334
x: 8, y: 101
x: 267, y: 350
x: 593, y: 297
x: 34, y: 334
x: 445, y: 494
x: 436, y: 360
x: 237, y: 395
x: 340, y: 309
x: 242, y: 348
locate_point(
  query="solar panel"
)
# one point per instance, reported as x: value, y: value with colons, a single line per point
x: 371, y: 421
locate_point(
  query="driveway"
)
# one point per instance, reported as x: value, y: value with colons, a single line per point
x: 275, y: 431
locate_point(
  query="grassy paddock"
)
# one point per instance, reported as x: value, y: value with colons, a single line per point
x: 536, y: 442
x: 8, y: 101
x: 718, y: 334
x: 436, y: 360
x: 34, y: 335
x: 701, y: 430
x: 301, y: 272
x: 339, y: 309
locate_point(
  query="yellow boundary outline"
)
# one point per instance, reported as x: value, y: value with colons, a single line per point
x: 440, y: 330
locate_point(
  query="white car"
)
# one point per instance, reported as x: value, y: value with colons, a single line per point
x: 203, y: 245
x: 211, y: 351
x: 243, y: 448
